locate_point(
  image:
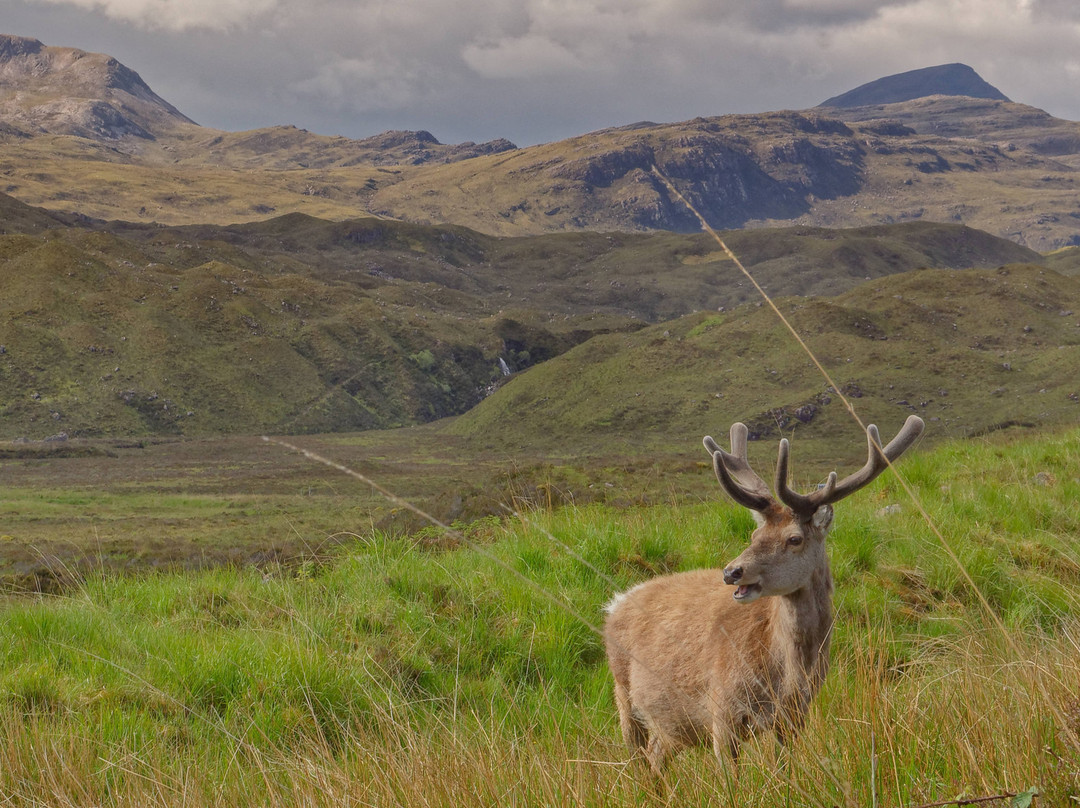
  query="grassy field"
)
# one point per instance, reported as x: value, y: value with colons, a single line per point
x: 428, y: 668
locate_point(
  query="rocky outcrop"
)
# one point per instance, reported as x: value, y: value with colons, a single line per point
x: 728, y: 177
x: 403, y: 147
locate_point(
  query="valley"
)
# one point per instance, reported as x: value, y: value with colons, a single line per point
x: 547, y: 310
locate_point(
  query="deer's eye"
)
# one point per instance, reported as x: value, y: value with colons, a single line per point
x: 795, y: 541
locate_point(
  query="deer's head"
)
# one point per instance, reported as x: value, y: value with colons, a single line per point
x: 789, y: 542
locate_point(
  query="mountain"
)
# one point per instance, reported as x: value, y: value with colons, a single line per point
x: 938, y: 144
x: 951, y: 79
x: 340, y: 298
x: 1009, y: 170
x: 66, y: 91
x: 96, y: 141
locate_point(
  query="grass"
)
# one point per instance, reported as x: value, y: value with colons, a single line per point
x: 77, y: 174
x: 423, y: 669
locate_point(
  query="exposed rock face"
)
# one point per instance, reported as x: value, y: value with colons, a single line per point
x: 732, y: 169
x: 467, y: 150
x: 67, y: 91
x: 403, y: 147
x: 951, y: 79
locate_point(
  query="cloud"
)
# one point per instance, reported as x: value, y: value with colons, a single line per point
x: 360, y: 84
x: 1056, y: 11
x: 530, y: 56
x: 176, y: 15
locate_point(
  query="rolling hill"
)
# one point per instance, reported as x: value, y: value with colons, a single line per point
x: 298, y: 324
x: 971, y: 352
x: 397, y: 280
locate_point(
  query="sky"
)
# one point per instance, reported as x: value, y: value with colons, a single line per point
x: 535, y: 71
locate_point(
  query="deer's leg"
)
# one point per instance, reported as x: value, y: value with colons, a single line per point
x: 725, y: 745
x: 656, y: 752
x: 634, y: 733
x: 789, y: 720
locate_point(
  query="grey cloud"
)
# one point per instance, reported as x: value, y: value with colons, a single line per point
x: 1056, y: 11
x: 174, y: 15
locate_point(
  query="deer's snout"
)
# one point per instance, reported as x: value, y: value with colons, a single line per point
x: 732, y: 575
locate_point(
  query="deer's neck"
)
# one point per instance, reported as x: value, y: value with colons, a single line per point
x: 803, y: 624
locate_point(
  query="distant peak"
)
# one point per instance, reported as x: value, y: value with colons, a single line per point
x: 402, y: 137
x: 59, y: 90
x: 13, y: 46
x: 950, y: 79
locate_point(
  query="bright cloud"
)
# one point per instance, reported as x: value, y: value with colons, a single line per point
x: 175, y: 15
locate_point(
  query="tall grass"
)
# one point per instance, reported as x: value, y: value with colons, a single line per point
x: 431, y: 671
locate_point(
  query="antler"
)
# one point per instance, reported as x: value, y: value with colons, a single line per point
x: 734, y: 472
x: 833, y: 491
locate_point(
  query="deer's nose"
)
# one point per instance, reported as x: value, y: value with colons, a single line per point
x: 732, y: 575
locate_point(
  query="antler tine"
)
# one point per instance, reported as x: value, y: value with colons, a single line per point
x: 802, y: 504
x: 734, y: 473
x: 833, y: 491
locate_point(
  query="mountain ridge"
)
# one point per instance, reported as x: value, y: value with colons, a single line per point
x: 72, y: 92
x: 993, y: 164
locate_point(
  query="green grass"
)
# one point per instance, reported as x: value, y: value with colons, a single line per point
x: 464, y: 670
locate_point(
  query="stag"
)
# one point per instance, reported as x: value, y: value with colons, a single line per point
x: 714, y: 655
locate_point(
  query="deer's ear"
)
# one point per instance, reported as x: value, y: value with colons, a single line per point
x: 759, y: 517
x: 822, y: 517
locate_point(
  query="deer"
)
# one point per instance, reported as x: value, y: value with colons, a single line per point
x: 714, y: 655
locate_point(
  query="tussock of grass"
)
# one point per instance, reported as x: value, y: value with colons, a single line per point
x: 406, y: 670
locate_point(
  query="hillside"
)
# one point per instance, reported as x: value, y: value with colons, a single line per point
x: 299, y: 324
x: 99, y: 337
x: 971, y: 352
x: 1016, y: 177
x: 312, y: 314
x: 1001, y: 167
